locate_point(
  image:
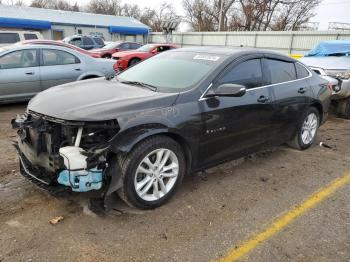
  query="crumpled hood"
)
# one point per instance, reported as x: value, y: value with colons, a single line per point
x: 96, y: 100
x: 327, y: 62
x: 125, y: 53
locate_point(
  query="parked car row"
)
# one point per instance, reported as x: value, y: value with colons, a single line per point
x: 331, y: 60
x: 31, y: 66
x: 182, y: 111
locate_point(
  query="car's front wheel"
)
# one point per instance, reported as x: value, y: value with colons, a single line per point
x: 306, y: 130
x: 151, y: 172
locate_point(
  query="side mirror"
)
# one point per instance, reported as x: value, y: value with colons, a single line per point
x: 231, y: 90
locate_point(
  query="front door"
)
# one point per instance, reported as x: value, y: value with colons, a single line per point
x: 235, y: 126
x: 19, y: 75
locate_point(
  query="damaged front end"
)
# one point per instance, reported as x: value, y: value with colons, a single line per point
x: 60, y: 155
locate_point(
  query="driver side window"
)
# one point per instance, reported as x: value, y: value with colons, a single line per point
x: 247, y: 73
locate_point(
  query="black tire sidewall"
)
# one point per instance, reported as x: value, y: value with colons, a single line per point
x: 311, y: 110
x: 134, y: 61
x: 136, y: 158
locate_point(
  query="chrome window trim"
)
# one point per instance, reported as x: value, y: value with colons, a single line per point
x: 259, y: 87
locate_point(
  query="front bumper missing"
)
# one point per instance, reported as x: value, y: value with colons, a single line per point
x: 37, y: 176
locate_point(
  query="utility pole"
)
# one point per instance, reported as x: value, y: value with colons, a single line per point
x: 220, y: 14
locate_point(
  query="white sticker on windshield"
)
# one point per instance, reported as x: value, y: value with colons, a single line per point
x: 207, y: 57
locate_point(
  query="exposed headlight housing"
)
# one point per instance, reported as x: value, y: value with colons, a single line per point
x: 338, y: 73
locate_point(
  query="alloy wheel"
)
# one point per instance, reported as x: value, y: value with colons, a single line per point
x: 156, y: 175
x: 309, y: 128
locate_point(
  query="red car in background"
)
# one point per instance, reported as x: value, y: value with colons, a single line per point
x: 130, y: 58
x: 59, y: 43
x: 108, y: 50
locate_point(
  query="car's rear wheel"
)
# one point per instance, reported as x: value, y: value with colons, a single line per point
x: 151, y: 172
x: 306, y: 130
x: 134, y: 61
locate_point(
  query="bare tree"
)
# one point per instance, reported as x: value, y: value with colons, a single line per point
x: 53, y: 4
x: 198, y: 14
x: 13, y: 2
x: 154, y: 17
x: 131, y: 11
x: 248, y: 15
x: 106, y: 7
x: 293, y: 14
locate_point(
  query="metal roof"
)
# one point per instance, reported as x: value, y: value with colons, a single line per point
x: 16, y: 13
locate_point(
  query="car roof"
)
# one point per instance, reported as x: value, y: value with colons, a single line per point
x: 160, y: 44
x: 38, y: 46
x: 231, y: 51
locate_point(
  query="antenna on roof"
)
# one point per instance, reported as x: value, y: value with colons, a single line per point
x: 168, y: 27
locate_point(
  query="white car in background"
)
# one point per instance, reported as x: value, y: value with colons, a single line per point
x: 331, y: 60
x: 11, y: 37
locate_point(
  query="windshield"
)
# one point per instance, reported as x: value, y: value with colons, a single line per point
x: 172, y: 71
x: 145, y: 48
x: 110, y: 46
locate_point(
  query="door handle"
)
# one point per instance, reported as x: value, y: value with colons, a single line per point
x: 29, y: 73
x: 263, y: 99
x: 77, y: 69
x: 302, y: 90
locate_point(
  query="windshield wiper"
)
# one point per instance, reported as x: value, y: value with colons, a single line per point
x: 153, y: 88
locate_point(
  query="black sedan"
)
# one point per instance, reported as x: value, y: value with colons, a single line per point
x: 176, y: 113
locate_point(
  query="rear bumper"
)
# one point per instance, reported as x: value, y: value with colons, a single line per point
x: 344, y: 89
x: 341, y: 87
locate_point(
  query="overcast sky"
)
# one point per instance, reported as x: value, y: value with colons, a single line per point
x: 328, y: 11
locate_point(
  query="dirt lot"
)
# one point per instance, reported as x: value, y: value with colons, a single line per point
x: 211, y: 213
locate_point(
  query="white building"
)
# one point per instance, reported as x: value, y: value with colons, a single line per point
x: 57, y: 24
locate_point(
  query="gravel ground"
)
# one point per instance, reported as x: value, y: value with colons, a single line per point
x: 210, y: 214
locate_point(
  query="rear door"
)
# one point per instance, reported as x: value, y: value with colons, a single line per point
x: 290, y: 95
x: 235, y: 126
x: 19, y: 74
x: 58, y: 67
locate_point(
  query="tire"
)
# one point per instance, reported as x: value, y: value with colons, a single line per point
x: 133, y: 62
x: 299, y: 141
x: 132, y: 165
x: 343, y: 108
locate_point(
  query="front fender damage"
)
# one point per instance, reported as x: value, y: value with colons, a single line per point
x: 69, y: 154
x: 77, y: 156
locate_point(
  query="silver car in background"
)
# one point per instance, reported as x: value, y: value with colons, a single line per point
x: 331, y: 60
x: 26, y: 70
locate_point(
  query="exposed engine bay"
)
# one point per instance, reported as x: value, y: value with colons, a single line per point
x: 59, y: 153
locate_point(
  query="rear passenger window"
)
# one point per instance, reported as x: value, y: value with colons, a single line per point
x: 281, y: 71
x: 247, y: 73
x: 125, y: 46
x: 135, y: 46
x: 9, y: 38
x: 99, y: 41
x: 301, y: 71
x: 87, y: 41
x: 58, y: 57
x: 30, y: 36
